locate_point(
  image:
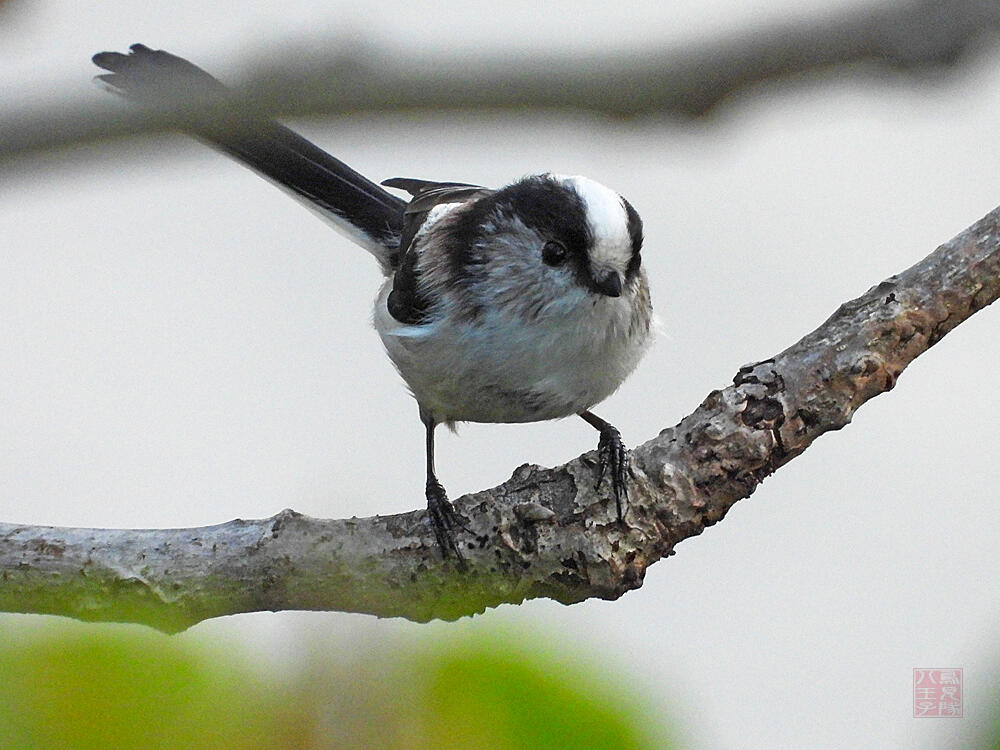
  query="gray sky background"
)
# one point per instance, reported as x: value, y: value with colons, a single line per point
x: 183, y: 344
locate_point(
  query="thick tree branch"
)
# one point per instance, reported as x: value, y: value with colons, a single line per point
x: 900, y: 37
x: 544, y: 532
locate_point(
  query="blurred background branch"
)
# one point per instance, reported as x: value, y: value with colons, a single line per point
x: 914, y: 38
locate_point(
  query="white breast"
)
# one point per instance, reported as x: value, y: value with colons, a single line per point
x: 494, y: 368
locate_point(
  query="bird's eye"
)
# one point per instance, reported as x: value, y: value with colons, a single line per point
x: 554, y: 253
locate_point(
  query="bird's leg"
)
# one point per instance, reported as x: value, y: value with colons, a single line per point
x: 612, y: 457
x: 440, y: 511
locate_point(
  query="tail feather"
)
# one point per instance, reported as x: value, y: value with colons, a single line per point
x: 369, y: 215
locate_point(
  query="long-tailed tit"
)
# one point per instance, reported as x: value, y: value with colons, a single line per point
x: 520, y: 304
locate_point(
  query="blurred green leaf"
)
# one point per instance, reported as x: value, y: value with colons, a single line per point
x: 100, y: 687
x: 490, y: 693
x: 124, y: 688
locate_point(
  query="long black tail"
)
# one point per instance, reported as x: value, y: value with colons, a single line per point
x: 367, y: 214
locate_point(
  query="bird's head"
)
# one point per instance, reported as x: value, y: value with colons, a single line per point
x: 575, y: 230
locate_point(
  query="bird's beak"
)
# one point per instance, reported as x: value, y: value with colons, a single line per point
x: 607, y: 282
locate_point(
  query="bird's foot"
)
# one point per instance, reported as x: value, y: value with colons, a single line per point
x: 612, y: 456
x: 445, y: 521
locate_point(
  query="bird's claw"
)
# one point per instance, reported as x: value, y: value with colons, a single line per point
x: 445, y: 521
x: 612, y: 456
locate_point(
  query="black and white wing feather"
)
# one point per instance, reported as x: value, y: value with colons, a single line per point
x: 406, y: 303
x: 370, y: 216
x: 427, y: 195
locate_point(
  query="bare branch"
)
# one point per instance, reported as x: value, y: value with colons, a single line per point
x: 544, y: 532
x: 901, y: 37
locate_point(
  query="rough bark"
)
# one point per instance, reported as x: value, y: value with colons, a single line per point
x: 544, y: 532
x: 912, y: 37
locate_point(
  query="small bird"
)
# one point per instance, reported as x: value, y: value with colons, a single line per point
x: 518, y: 304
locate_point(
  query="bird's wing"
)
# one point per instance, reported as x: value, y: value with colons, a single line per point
x: 367, y: 214
x: 427, y: 195
x: 406, y: 302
